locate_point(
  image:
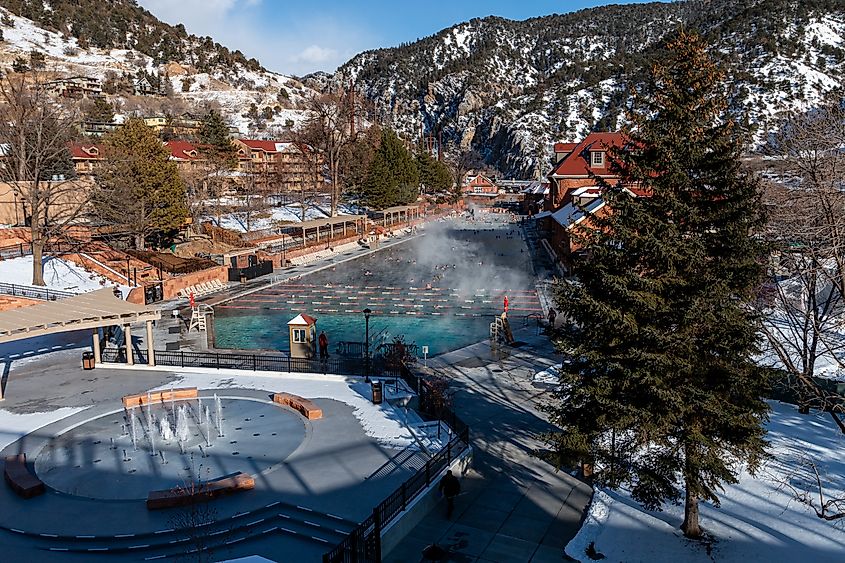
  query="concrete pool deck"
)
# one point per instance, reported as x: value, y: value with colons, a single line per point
x: 300, y: 509
x: 513, y: 506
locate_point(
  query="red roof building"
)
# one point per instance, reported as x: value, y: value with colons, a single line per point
x: 186, y: 155
x: 480, y: 185
x: 578, y: 164
x: 86, y: 157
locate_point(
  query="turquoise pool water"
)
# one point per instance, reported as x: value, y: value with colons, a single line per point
x: 441, y: 290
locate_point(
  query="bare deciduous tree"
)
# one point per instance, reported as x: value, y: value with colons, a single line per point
x: 330, y: 129
x: 805, y: 307
x: 35, y: 132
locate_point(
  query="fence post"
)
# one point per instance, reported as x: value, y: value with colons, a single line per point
x: 289, y: 364
x: 449, y: 451
x: 217, y: 359
x: 427, y: 473
x: 182, y: 357
x: 405, y: 495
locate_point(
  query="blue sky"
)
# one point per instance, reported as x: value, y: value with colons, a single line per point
x: 301, y: 36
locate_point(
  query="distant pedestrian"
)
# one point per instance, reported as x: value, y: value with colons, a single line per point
x: 449, y: 487
x: 323, y: 341
x: 507, y: 303
x: 552, y: 317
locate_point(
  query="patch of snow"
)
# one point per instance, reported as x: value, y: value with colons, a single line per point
x: 759, y: 521
x: 14, y: 426
x: 58, y: 274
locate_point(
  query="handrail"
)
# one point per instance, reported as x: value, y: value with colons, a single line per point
x: 34, y: 292
x: 363, y: 544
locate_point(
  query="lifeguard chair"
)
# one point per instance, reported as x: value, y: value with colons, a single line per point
x: 303, y: 336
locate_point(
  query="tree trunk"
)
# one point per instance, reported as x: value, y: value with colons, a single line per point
x: 37, y: 256
x: 691, y: 526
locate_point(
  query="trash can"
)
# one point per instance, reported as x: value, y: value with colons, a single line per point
x: 378, y: 392
x: 87, y: 360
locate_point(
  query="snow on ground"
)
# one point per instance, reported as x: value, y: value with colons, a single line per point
x: 58, y: 274
x: 14, y: 426
x: 381, y: 422
x: 759, y: 520
x: 273, y: 216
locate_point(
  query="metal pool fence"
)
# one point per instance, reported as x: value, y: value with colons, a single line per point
x: 354, y: 366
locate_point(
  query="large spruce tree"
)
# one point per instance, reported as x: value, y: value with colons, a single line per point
x: 661, y: 392
x: 139, y: 189
x: 393, y: 178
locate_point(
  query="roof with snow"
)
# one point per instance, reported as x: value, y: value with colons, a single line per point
x: 570, y: 215
x: 577, y: 164
x: 303, y: 320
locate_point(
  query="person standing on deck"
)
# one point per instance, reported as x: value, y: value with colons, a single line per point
x: 323, y: 341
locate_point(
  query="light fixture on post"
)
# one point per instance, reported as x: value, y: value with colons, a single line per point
x: 367, y: 313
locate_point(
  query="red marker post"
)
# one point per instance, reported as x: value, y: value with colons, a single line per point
x: 193, y: 304
x: 506, y: 303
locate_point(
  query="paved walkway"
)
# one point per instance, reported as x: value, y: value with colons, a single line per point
x: 513, y: 507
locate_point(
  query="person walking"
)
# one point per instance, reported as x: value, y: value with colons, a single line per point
x: 449, y: 487
x: 323, y: 341
x: 552, y: 317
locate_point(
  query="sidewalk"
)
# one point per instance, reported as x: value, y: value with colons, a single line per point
x: 513, y: 507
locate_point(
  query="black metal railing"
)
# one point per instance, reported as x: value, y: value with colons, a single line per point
x: 34, y: 292
x: 363, y: 544
x: 251, y: 272
x: 352, y: 366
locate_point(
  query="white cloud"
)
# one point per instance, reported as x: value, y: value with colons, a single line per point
x: 315, y: 54
x: 251, y: 27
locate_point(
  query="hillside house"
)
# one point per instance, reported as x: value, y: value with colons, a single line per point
x: 86, y: 157
x: 186, y: 155
x: 144, y: 87
x: 156, y: 122
x: 98, y: 128
x: 76, y: 87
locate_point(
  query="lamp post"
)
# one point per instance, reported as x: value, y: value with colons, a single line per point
x: 367, y: 344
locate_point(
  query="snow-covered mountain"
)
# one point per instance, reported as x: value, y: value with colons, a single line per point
x: 199, y: 73
x: 511, y: 88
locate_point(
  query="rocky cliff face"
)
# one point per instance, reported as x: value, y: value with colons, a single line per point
x: 512, y: 88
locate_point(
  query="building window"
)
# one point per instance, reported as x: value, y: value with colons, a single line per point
x: 299, y: 335
x: 598, y: 158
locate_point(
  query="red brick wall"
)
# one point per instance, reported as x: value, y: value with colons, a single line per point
x: 172, y: 286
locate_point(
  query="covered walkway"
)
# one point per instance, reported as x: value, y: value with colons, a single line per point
x: 95, y: 310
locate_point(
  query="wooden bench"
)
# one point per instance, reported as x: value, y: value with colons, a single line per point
x: 18, y: 476
x: 159, y: 397
x: 305, y: 407
x: 181, y: 496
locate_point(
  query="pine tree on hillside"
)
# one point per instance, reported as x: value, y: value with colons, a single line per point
x: 139, y: 189
x: 214, y: 132
x: 393, y: 178
x: 661, y: 392
x: 434, y: 175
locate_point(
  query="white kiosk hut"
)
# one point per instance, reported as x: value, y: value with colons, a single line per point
x: 303, y: 336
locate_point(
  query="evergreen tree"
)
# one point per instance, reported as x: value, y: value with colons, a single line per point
x: 99, y: 110
x: 393, y: 178
x: 434, y: 175
x: 214, y: 132
x: 139, y: 188
x: 661, y: 392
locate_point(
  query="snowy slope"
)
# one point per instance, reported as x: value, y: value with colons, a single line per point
x: 233, y: 89
x: 512, y: 88
x: 759, y: 520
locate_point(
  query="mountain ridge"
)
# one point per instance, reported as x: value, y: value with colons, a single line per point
x: 510, y: 88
